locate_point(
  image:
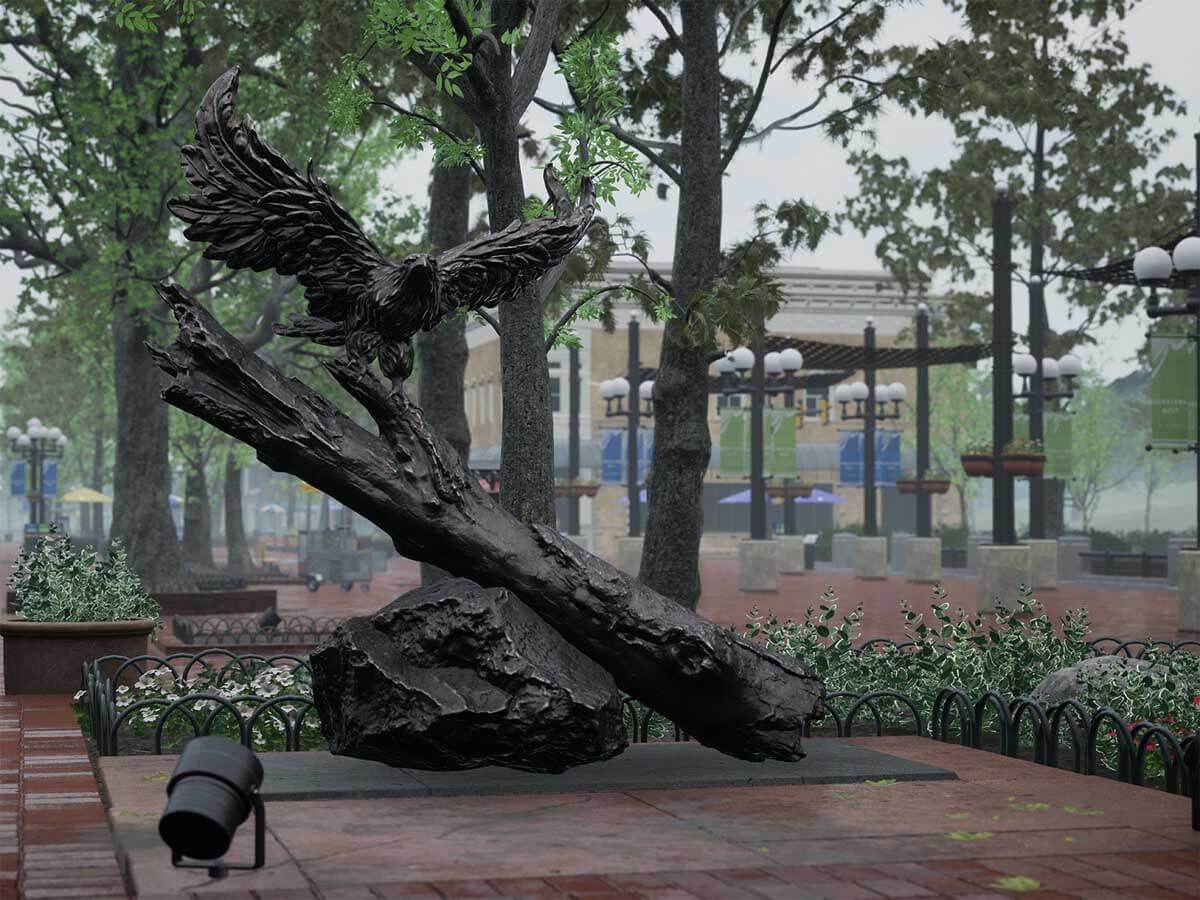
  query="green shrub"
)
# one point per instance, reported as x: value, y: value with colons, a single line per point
x: 54, y: 584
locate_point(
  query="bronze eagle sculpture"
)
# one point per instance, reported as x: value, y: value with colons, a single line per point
x: 255, y: 211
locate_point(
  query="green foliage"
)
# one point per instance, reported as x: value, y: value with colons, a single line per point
x: 423, y: 27
x: 55, y: 584
x: 257, y: 684
x: 1096, y: 464
x: 1009, y: 657
x: 1056, y: 110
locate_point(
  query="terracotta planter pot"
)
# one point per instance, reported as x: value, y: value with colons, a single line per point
x: 1024, y: 464
x: 804, y: 490
x: 906, y: 485
x: 937, y: 485
x: 977, y: 465
x: 796, y: 490
x: 200, y: 603
x: 47, y: 657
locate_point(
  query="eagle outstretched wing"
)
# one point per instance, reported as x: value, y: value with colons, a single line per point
x: 255, y: 211
x: 493, y: 268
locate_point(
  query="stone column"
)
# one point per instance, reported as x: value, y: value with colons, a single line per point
x: 1002, y: 570
x: 1189, y: 590
x: 1043, y: 563
x: 871, y: 557
x: 629, y: 555
x: 758, y: 565
x: 925, y: 560
x: 791, y: 554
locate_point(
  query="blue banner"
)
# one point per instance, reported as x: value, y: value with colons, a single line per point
x: 50, y: 478
x: 887, y: 458
x: 645, y: 453
x: 611, y: 456
x: 850, y: 459
x: 17, y: 484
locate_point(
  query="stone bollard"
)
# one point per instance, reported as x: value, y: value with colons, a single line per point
x: 900, y: 549
x: 1071, y: 564
x: 843, y: 549
x: 629, y: 555
x: 1189, y: 590
x: 871, y: 557
x: 791, y: 554
x: 758, y: 565
x: 1174, y: 545
x: 1002, y: 571
x: 925, y: 560
x: 974, y: 542
x: 1043, y: 564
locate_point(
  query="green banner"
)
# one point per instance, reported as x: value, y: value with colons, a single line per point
x: 1172, y: 389
x: 1056, y: 426
x: 735, y: 443
x: 780, y: 427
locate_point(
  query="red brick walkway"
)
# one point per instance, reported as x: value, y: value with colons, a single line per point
x: 54, y: 834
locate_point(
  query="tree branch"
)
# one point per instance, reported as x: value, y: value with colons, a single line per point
x: 728, y: 693
x: 432, y: 123
x: 624, y: 136
x: 740, y: 131
x: 665, y: 21
x: 462, y: 27
x: 489, y: 318
x: 574, y: 308
x: 528, y: 72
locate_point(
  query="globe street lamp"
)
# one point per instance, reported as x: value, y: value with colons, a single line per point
x: 617, y: 389
x: 762, y: 376
x: 37, y: 444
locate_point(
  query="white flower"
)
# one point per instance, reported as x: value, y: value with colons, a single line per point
x: 123, y: 689
x: 149, y: 714
x: 79, y: 695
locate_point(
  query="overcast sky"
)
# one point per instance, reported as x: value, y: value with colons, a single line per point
x: 1163, y: 33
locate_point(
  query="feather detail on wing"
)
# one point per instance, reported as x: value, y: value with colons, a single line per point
x: 255, y: 211
x: 495, y: 267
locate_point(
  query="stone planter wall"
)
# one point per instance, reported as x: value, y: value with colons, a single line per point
x: 48, y: 657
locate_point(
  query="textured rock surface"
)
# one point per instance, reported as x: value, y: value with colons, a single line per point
x: 455, y: 676
x: 1064, y: 684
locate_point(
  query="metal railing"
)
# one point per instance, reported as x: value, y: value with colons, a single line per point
x: 215, y: 631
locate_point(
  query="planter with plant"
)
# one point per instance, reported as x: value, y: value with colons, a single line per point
x: 1024, y: 458
x: 977, y: 459
x: 795, y: 489
x: 71, y: 608
x: 907, y: 483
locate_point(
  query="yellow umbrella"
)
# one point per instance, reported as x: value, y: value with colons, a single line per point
x: 85, y: 495
x: 306, y: 488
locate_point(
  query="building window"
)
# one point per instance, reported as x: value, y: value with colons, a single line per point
x: 555, y: 385
x: 491, y: 403
x: 732, y: 401
x: 812, y: 401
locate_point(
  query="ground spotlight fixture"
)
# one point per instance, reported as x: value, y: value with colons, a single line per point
x: 211, y: 792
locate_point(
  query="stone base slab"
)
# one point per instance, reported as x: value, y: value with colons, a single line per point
x: 924, y: 560
x: 871, y: 557
x: 758, y: 566
x: 1002, y: 571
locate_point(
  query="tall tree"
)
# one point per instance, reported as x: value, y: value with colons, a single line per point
x: 688, y: 112
x: 1058, y: 112
x: 1096, y: 463
x: 488, y: 61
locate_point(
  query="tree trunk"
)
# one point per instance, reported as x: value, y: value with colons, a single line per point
x: 95, y: 526
x: 141, y: 472
x: 964, y: 512
x: 291, y: 506
x: 527, y: 426
x: 237, y: 549
x: 671, y: 551
x: 442, y: 353
x: 725, y: 691
x: 1146, y: 515
x: 197, y: 519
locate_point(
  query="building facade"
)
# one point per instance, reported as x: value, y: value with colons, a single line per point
x: 821, y: 304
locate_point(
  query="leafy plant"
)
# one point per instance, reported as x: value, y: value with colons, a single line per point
x: 977, y: 446
x: 1023, y: 445
x: 55, y: 584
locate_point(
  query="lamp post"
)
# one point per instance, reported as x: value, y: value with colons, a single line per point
x: 761, y: 375
x: 869, y: 413
x: 618, y: 389
x: 37, y: 444
x: 924, y: 504
x: 1156, y: 268
x: 1003, y: 525
x: 573, y: 439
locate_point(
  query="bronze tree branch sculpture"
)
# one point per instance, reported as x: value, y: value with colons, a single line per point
x: 730, y: 694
